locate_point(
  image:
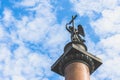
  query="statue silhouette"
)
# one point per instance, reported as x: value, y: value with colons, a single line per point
x: 76, y: 34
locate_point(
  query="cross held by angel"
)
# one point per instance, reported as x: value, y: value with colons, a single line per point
x: 76, y: 34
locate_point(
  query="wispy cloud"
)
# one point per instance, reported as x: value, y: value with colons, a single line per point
x: 28, y: 44
x: 109, y: 23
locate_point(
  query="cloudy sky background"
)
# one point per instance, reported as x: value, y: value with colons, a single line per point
x: 33, y: 36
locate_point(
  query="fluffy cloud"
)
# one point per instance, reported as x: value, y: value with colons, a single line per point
x: 109, y: 23
x: 30, y: 3
x: 25, y: 3
x: 1, y: 31
x: 88, y: 7
x: 112, y: 43
x: 29, y: 45
x: 110, y: 54
x: 23, y: 64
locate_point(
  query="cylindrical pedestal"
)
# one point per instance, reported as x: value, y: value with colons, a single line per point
x: 77, y: 71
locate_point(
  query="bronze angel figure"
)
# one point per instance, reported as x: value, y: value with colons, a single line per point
x: 76, y: 34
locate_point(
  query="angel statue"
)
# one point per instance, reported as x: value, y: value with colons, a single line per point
x: 76, y: 34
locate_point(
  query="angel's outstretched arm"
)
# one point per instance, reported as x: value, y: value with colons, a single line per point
x: 68, y: 28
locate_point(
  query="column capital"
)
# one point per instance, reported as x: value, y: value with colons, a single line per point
x: 76, y: 52
x: 76, y: 57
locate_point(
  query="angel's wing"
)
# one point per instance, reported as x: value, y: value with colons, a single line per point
x: 81, y: 31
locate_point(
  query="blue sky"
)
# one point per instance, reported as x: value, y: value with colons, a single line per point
x: 33, y: 36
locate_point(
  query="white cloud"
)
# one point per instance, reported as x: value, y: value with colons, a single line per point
x: 108, y: 24
x: 112, y: 43
x: 39, y: 25
x: 4, y: 53
x: 43, y: 28
x: 109, y: 69
x: 18, y: 78
x: 21, y: 63
x: 35, y: 28
x: 27, y: 3
x: 7, y: 15
x: 1, y: 31
x: 88, y: 7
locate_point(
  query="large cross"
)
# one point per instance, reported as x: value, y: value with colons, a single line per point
x: 72, y: 21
